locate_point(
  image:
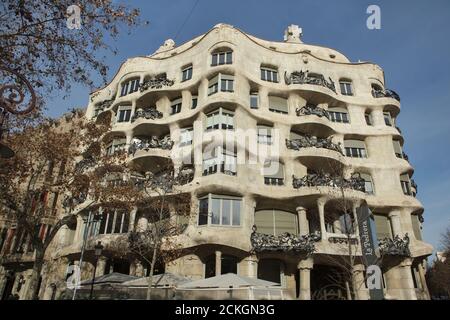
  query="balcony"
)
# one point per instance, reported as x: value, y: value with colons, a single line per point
x: 158, y: 82
x: 273, y: 181
x: 307, y: 141
x: 300, y: 77
x: 164, y: 143
x: 395, y: 247
x: 284, y: 242
x: 385, y: 94
x: 148, y: 113
x: 327, y: 180
x: 311, y: 109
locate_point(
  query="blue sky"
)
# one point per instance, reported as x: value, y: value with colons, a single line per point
x: 412, y: 47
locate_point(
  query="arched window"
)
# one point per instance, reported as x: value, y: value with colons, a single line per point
x: 276, y: 222
x: 222, y: 56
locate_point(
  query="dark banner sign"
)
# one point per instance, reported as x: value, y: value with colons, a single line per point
x: 368, y: 240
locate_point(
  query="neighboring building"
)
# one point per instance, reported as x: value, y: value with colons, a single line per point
x: 264, y: 126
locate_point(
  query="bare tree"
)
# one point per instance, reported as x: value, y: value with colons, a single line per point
x: 438, y: 275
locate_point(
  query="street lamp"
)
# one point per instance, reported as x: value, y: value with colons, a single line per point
x: 98, y: 252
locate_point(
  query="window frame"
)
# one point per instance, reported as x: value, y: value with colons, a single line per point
x: 232, y: 214
x: 220, y: 124
x: 346, y: 87
x: 269, y: 74
x: 217, y: 55
x: 186, y: 73
x: 126, y: 116
x: 218, y: 161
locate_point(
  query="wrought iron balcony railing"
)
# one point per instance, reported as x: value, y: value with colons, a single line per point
x: 385, y: 94
x: 300, y: 77
x: 395, y: 247
x: 151, y: 143
x: 285, y: 242
x: 356, y: 182
x: 149, y: 113
x: 311, y: 109
x: 307, y: 141
x: 156, y: 83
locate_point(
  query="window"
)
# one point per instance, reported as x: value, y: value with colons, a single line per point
x: 278, y: 105
x: 268, y: 74
x: 226, y: 84
x: 406, y: 184
x: 368, y: 117
x: 116, y: 145
x: 186, y: 136
x: 186, y: 73
x: 176, y: 106
x: 397, y: 149
x: 112, y: 222
x: 219, y: 58
x: 387, y: 118
x: 194, y: 102
x: 124, y: 114
x: 220, y: 119
x: 273, y: 173
x: 129, y: 87
x: 368, y: 184
x: 346, y: 223
x: 346, y: 87
x: 276, y: 222
x: 338, y: 115
x: 264, y: 134
x: 382, y: 226
x: 254, y: 100
x: 134, y: 85
x: 416, y: 226
x: 220, y: 210
x: 228, y: 264
x: 355, y: 149
x: 219, y: 160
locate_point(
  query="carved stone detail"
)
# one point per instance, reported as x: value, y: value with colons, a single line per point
x: 164, y: 143
x: 157, y: 82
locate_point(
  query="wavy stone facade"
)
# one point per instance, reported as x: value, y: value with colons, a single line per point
x: 312, y: 111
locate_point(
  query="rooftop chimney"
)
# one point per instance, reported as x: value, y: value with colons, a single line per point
x: 293, y: 34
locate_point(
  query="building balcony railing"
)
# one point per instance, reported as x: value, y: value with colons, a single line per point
x: 311, y: 109
x: 300, y: 77
x: 148, y: 113
x: 385, y: 94
x: 285, y: 242
x: 327, y: 180
x: 307, y: 141
x: 414, y: 187
x: 157, y: 82
x: 395, y: 247
x: 151, y: 143
x: 219, y: 168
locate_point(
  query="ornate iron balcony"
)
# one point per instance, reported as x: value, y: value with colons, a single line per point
x: 395, y: 247
x: 300, y: 77
x: 327, y: 180
x: 284, y: 242
x: 151, y: 143
x: 311, y: 109
x: 156, y: 83
x: 307, y: 141
x: 149, y: 113
x: 185, y: 175
x: 85, y: 164
x: 414, y: 186
x: 385, y: 94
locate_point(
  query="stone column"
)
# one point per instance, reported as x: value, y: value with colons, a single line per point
x: 409, y: 292
x: 139, y: 269
x: 305, y: 267
x: 132, y: 221
x: 423, y: 281
x: 303, y: 226
x: 321, y: 208
x: 218, y: 263
x: 101, y: 266
x: 396, y: 223
x: 361, y: 293
x: 251, y: 266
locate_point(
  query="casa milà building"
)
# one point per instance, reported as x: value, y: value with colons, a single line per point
x: 262, y: 127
